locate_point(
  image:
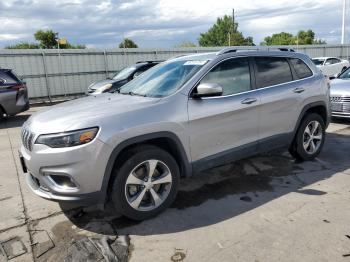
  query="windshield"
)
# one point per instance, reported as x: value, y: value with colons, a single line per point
x: 163, y: 79
x: 345, y: 74
x: 318, y: 61
x: 124, y: 73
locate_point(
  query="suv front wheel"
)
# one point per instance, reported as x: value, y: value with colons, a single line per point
x: 309, y: 139
x: 146, y: 182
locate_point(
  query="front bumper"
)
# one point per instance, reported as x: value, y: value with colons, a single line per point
x: 39, y: 190
x: 340, y: 109
x: 341, y: 115
x: 47, y: 170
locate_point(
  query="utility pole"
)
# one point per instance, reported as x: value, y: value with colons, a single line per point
x: 233, y: 20
x: 232, y: 30
x: 343, y: 24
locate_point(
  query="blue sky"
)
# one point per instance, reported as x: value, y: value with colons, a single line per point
x: 163, y: 23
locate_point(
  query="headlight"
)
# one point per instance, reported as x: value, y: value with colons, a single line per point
x: 104, y: 88
x: 67, y: 139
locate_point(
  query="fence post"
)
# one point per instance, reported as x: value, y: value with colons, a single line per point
x: 106, y: 62
x: 46, y: 77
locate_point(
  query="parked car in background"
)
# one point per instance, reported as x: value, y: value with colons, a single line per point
x: 331, y: 66
x: 185, y: 115
x: 340, y: 95
x: 13, y: 94
x: 121, y: 78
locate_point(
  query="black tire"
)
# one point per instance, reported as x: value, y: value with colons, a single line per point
x: 133, y: 159
x: 2, y: 113
x: 297, y: 149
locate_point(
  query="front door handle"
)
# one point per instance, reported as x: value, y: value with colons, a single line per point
x: 298, y: 90
x: 249, y: 101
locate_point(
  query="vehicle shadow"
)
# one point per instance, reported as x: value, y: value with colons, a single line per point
x: 228, y: 191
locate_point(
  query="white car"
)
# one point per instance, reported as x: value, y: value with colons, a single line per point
x: 331, y: 66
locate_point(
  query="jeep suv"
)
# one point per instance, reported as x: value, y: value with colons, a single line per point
x: 184, y: 115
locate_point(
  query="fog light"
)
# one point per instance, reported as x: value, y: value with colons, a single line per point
x: 63, y: 181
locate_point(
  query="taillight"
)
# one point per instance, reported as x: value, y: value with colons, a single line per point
x: 19, y: 87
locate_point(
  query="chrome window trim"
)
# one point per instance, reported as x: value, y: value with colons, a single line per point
x: 257, y: 89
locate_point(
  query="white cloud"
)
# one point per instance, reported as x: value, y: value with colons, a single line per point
x: 163, y: 23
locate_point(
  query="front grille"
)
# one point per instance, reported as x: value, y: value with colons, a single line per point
x: 27, y: 138
x: 340, y: 99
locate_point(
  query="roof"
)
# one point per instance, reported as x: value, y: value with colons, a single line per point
x: 324, y: 57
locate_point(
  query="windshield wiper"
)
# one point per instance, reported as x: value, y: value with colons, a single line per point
x: 131, y: 93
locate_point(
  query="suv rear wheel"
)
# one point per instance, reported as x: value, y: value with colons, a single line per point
x: 146, y: 183
x: 309, y: 139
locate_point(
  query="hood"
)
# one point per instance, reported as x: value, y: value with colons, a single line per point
x: 340, y: 87
x: 101, y: 83
x: 85, y: 112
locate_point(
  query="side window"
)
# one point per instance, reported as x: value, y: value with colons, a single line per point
x: 140, y: 70
x: 8, y: 77
x: 335, y: 60
x: 233, y: 75
x: 272, y: 71
x: 301, y: 69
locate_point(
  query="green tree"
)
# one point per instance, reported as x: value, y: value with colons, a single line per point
x: 47, y: 39
x: 127, y: 43
x: 70, y: 46
x: 224, y: 33
x: 302, y: 38
x: 282, y: 38
x: 23, y: 45
x: 186, y: 44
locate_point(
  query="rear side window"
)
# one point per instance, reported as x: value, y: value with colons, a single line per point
x: 7, y: 77
x: 301, y: 69
x: 272, y: 71
x: 232, y: 75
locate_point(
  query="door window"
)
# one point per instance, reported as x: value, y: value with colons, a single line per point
x: 301, y: 69
x: 272, y: 71
x: 233, y: 75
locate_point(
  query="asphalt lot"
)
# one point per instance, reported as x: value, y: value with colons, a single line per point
x: 266, y: 208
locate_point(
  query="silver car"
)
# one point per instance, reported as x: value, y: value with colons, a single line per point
x: 182, y: 116
x: 340, y: 95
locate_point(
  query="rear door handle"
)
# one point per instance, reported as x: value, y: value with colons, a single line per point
x: 298, y: 90
x: 249, y: 101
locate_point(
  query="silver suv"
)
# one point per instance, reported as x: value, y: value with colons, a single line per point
x: 187, y: 114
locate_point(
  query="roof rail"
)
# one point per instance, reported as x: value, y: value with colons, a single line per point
x: 286, y: 49
x: 149, y: 61
x: 235, y: 49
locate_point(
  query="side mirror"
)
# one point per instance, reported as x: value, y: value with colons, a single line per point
x: 207, y: 90
x: 137, y: 74
x: 332, y: 77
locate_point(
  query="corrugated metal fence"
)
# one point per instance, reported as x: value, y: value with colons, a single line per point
x: 53, y: 74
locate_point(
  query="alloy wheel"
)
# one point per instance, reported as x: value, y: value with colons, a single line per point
x: 312, y: 137
x: 148, y: 185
